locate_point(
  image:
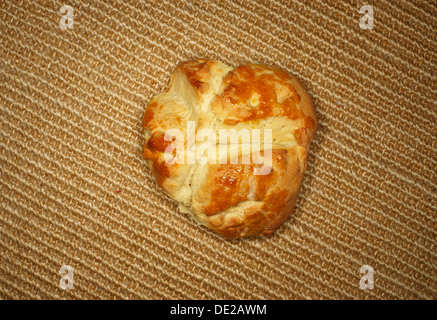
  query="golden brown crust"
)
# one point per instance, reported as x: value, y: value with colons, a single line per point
x: 251, y: 92
x: 231, y: 199
x: 198, y: 73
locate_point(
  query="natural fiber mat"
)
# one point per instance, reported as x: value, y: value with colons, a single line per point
x: 75, y: 189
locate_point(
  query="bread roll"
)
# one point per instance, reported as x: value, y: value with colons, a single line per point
x: 228, y: 193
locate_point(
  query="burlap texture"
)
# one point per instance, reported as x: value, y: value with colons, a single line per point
x: 75, y: 189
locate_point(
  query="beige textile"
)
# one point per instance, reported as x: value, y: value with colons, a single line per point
x: 75, y: 189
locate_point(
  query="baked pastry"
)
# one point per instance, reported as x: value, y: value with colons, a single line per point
x: 231, y: 193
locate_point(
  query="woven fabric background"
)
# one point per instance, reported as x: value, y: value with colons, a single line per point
x: 75, y: 189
